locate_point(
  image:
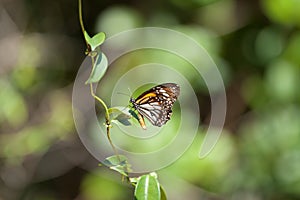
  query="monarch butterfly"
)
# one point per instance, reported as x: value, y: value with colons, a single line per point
x: 156, y: 104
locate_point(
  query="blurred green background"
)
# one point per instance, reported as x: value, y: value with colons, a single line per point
x: 256, y: 45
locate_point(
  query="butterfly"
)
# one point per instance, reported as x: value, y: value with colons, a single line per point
x: 156, y: 104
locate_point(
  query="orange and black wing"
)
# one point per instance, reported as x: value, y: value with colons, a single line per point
x: 156, y: 103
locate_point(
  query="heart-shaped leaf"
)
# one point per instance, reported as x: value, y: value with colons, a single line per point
x: 101, y: 65
x: 95, y: 41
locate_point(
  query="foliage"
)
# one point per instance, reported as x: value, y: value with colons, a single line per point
x: 255, y: 45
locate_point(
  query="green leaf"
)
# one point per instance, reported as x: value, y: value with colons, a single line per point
x: 123, y: 119
x: 121, y: 169
x: 118, y: 163
x: 120, y: 114
x: 147, y: 188
x: 163, y: 195
x: 99, y: 69
x: 98, y: 39
x: 95, y: 41
x: 115, y: 160
x: 87, y: 37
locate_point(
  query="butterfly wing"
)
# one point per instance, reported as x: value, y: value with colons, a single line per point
x: 156, y: 103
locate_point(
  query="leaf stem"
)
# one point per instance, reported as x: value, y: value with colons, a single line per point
x: 107, y: 117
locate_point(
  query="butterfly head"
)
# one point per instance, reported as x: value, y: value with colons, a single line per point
x: 132, y: 100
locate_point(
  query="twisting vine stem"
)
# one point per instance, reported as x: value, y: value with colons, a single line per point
x: 140, y: 183
x: 80, y: 19
x: 92, y: 55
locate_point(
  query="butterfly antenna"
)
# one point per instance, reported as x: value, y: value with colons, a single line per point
x: 128, y: 106
x: 129, y: 91
x: 123, y: 94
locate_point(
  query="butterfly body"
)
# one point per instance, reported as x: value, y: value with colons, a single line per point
x: 156, y: 104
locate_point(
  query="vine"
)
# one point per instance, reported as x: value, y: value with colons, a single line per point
x: 146, y: 186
